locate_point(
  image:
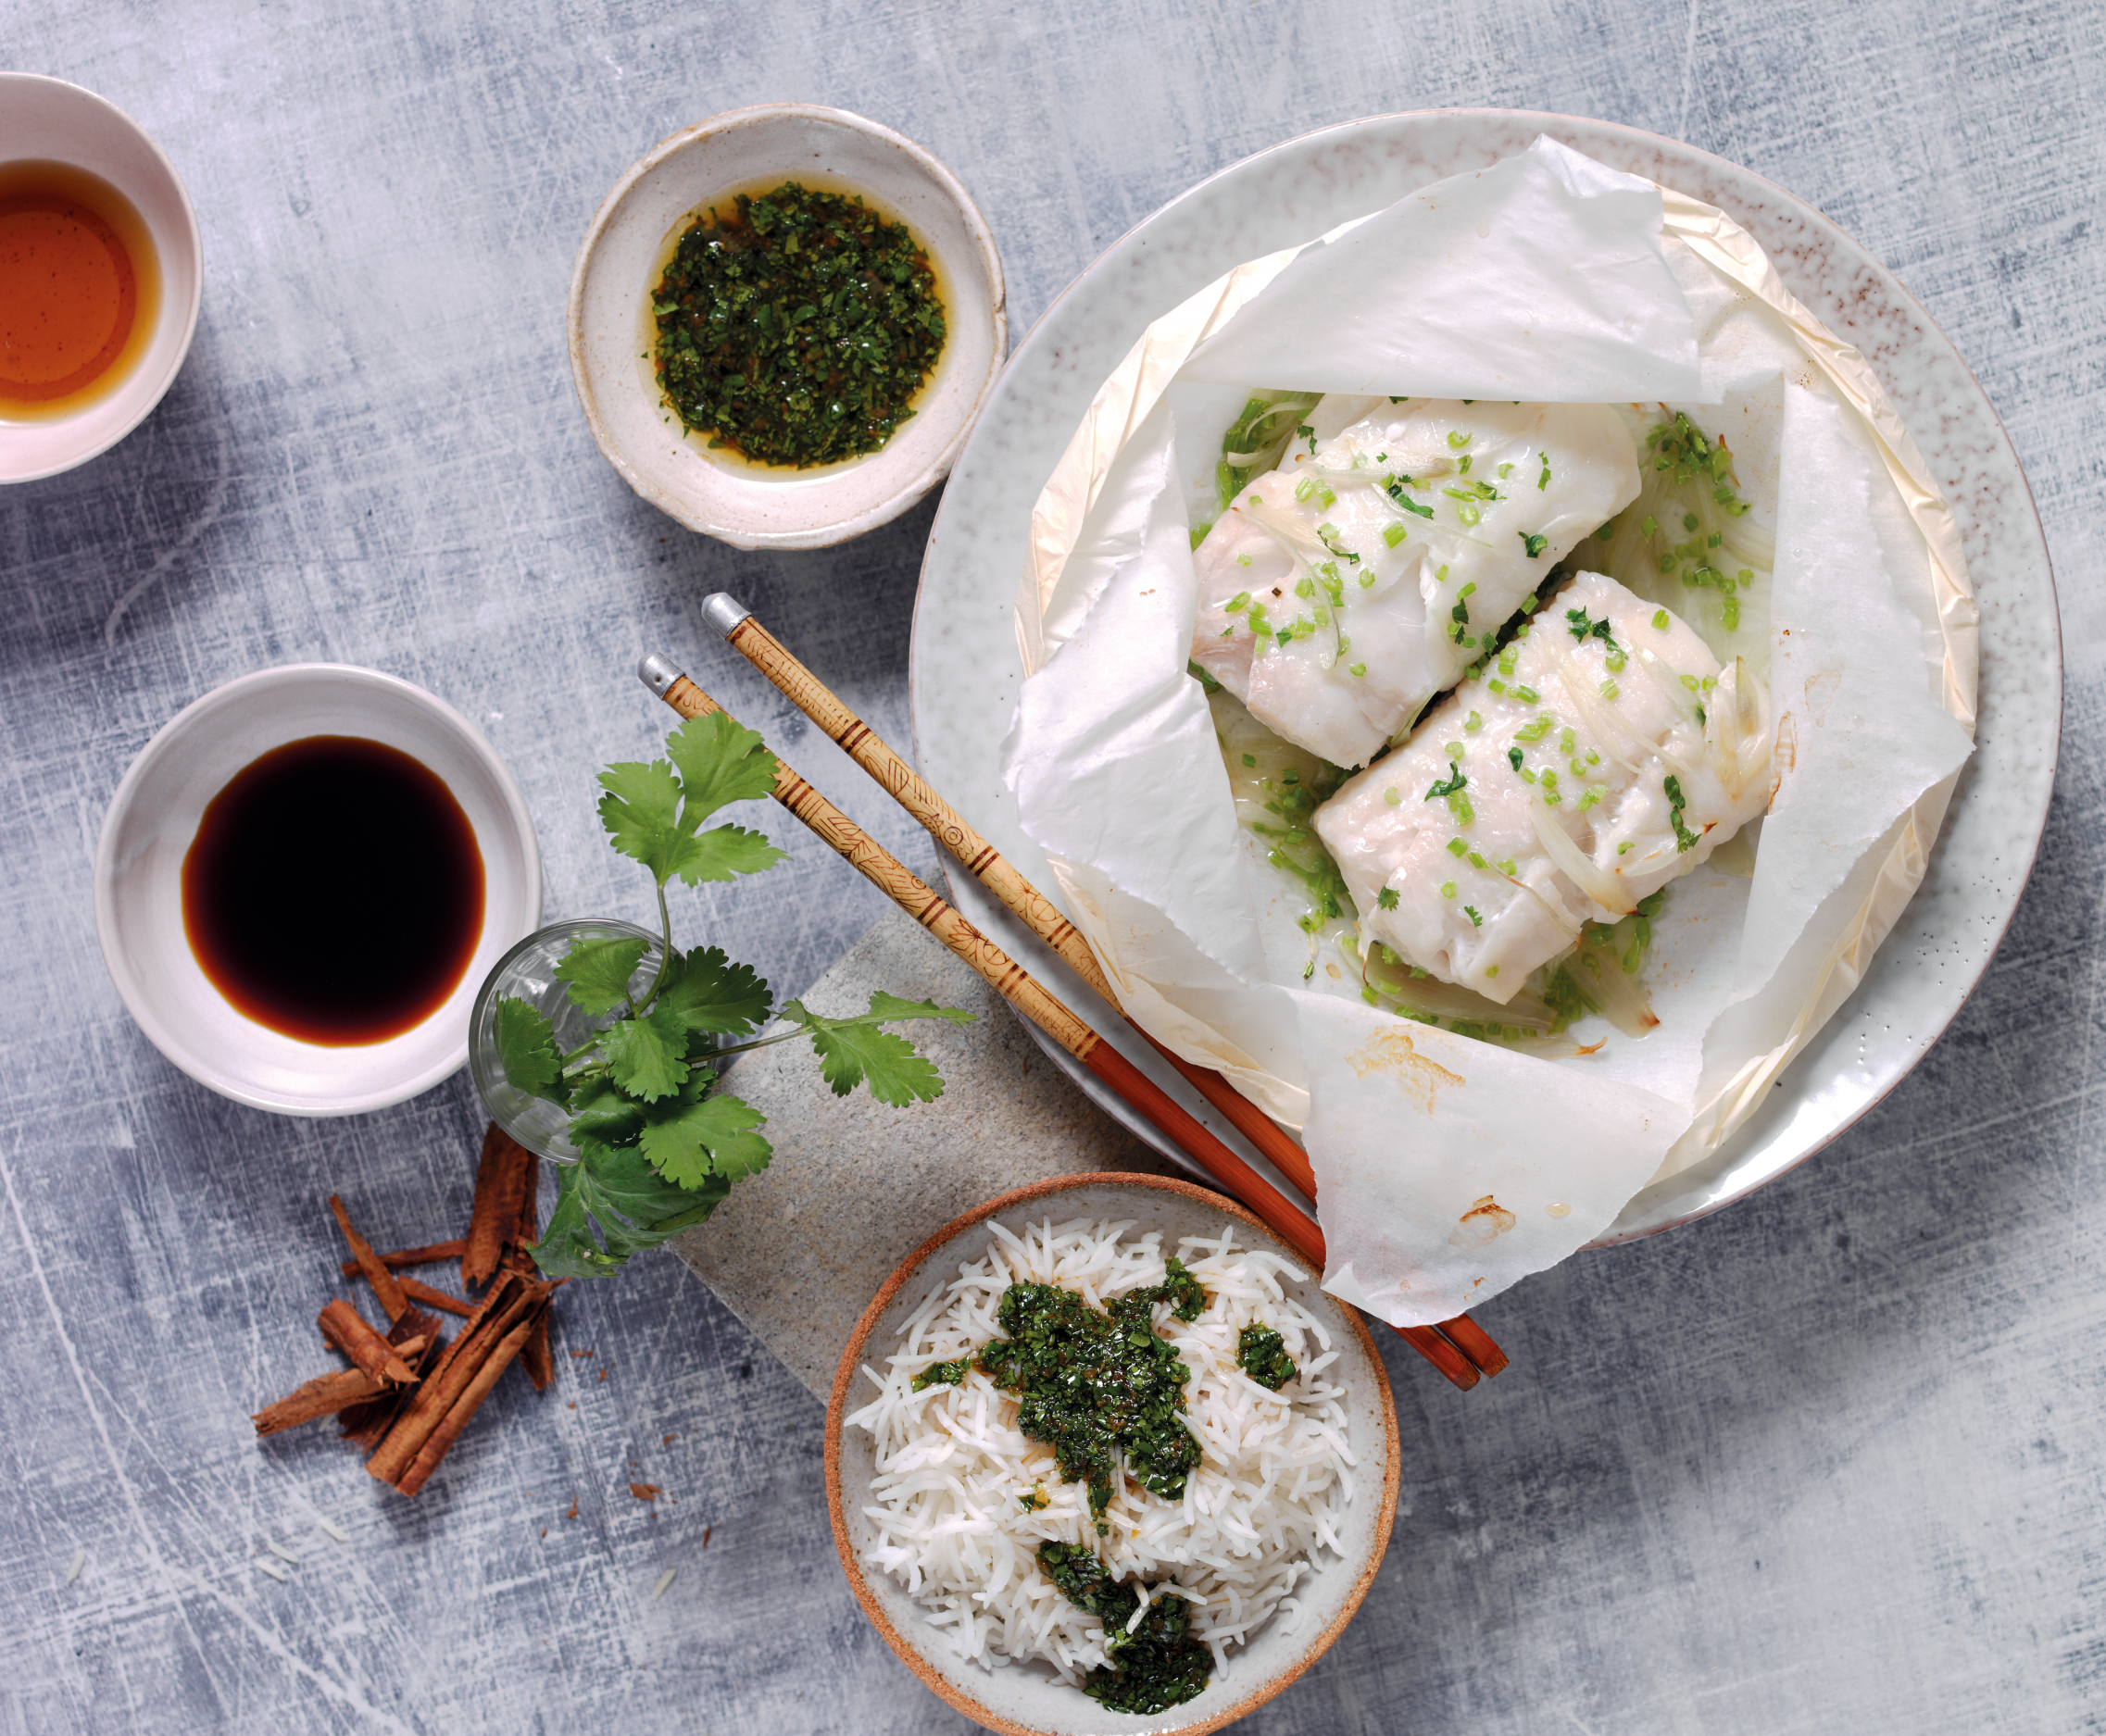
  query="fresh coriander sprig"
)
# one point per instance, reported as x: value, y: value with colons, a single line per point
x: 658, y: 1146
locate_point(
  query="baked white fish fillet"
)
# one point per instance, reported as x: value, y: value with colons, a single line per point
x: 1602, y: 756
x: 1342, y: 591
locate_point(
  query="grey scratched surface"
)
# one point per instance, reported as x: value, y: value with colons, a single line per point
x: 1829, y: 1461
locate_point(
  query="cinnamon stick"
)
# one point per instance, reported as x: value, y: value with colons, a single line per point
x: 509, y: 1301
x: 537, y: 1359
x: 392, y: 1302
x: 343, y: 1326
x: 441, y: 1439
x: 325, y: 1395
x: 416, y: 1341
x: 500, y: 1179
x: 529, y: 1232
x: 431, y: 1253
x: 437, y: 1298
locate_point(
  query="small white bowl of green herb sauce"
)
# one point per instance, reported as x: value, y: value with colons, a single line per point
x: 783, y: 323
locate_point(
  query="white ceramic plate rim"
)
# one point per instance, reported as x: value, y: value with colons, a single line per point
x: 176, y: 355
x: 106, y: 918
x: 1825, y: 1090
x: 920, y: 482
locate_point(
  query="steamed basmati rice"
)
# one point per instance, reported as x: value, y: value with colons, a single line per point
x: 954, y: 1475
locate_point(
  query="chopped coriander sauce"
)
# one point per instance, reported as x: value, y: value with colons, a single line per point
x: 1156, y: 1667
x: 941, y: 1374
x: 1100, y: 1388
x: 1262, y: 1355
x: 796, y: 330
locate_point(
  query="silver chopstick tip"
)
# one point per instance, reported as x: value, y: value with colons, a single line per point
x: 723, y: 611
x: 656, y: 673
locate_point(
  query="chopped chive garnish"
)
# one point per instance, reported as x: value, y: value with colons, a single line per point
x: 1457, y: 847
x: 1241, y: 600
x: 1508, y: 867
x: 1649, y: 528
x: 1447, y: 888
x: 1660, y: 620
x: 1457, y: 441
x: 1514, y: 757
x: 1250, y: 759
x: 1391, y: 797
x: 1391, y: 534
x: 1357, y: 668
x: 1473, y: 722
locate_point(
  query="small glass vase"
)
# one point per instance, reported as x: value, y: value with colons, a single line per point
x: 528, y: 973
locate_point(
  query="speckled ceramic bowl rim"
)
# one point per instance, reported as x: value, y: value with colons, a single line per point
x: 1724, y: 1179
x: 766, y: 114
x: 851, y: 1360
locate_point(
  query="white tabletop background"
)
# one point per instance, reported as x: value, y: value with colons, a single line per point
x: 1830, y: 1461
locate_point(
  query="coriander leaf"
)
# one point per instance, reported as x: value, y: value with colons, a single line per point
x: 601, y: 1117
x: 526, y: 1049
x: 723, y: 852
x: 640, y: 812
x: 884, y: 1005
x: 636, y: 1208
x: 714, y: 995
x: 719, y: 762
x: 710, y: 1137
x: 599, y: 972
x: 646, y: 1056
x: 851, y: 1049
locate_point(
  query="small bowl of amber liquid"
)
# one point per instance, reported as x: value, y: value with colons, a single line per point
x: 99, y: 275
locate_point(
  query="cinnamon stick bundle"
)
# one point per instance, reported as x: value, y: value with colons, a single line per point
x: 410, y: 1394
x: 441, y: 1438
x: 510, y: 1302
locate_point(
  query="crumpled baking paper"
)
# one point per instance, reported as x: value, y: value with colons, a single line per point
x: 1449, y: 1169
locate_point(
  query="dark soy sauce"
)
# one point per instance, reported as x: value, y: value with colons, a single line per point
x: 334, y: 891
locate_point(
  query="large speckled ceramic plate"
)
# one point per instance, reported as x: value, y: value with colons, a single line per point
x: 965, y: 674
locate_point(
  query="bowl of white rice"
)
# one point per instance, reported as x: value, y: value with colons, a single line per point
x: 941, y: 1504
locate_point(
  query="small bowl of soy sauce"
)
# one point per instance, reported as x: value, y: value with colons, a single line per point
x: 302, y: 881
x: 100, y: 278
x: 783, y: 323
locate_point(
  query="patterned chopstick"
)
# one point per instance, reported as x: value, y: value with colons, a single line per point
x: 1016, y: 985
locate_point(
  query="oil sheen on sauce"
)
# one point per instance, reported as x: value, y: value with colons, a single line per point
x: 334, y: 891
x: 80, y: 289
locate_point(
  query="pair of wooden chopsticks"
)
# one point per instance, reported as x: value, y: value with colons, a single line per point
x: 1461, y: 1349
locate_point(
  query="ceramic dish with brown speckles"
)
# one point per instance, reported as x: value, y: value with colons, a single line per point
x: 965, y: 672
x: 1026, y: 1700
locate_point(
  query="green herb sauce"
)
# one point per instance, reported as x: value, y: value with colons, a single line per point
x: 941, y: 1373
x: 796, y: 330
x: 1156, y: 1667
x: 1262, y: 1355
x: 1100, y: 1388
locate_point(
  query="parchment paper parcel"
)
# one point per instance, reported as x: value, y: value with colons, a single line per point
x: 1547, y: 278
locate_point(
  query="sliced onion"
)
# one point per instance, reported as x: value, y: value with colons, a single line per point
x: 1620, y: 999
x: 1606, y: 889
